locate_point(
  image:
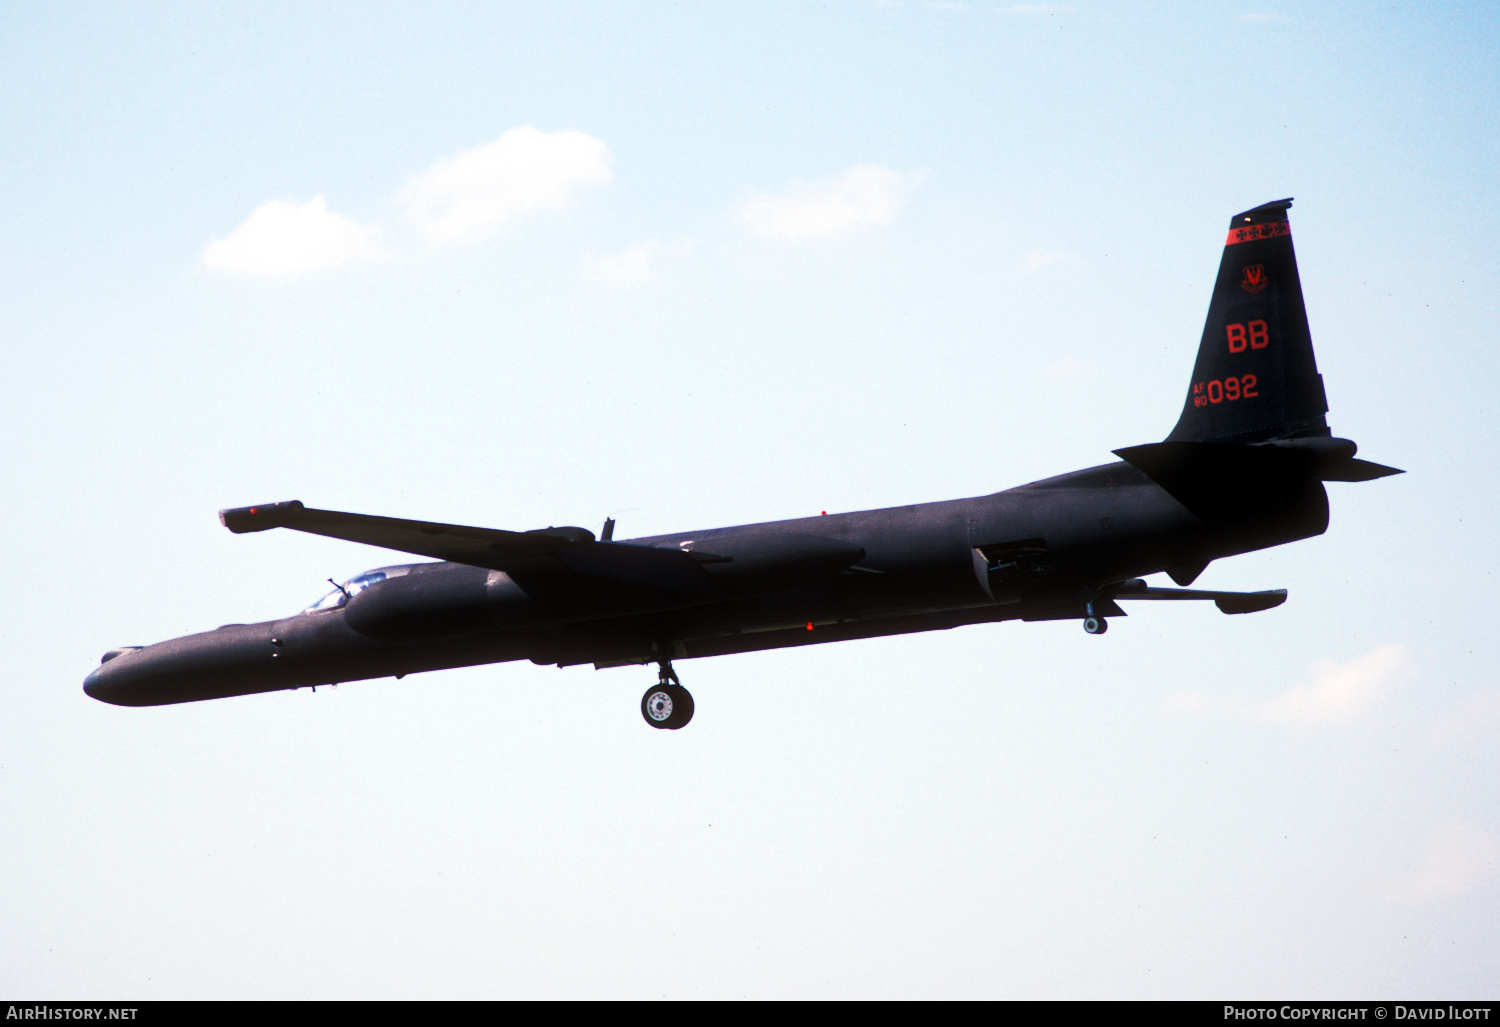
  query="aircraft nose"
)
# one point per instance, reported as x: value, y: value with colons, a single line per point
x: 120, y: 677
x: 233, y: 660
x: 104, y: 681
x: 93, y: 685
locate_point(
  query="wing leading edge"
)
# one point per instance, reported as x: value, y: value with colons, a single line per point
x: 543, y: 550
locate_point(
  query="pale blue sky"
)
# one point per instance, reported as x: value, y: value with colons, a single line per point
x: 770, y: 259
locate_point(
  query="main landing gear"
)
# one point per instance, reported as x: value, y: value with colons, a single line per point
x: 667, y: 704
x: 1093, y: 623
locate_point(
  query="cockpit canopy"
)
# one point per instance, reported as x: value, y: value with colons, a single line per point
x: 341, y: 594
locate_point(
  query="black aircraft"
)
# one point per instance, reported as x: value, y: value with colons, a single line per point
x: 1243, y: 470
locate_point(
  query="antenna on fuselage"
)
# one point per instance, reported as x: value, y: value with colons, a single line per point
x: 609, y: 530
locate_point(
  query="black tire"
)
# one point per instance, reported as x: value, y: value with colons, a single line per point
x: 1095, y: 625
x: 667, y: 707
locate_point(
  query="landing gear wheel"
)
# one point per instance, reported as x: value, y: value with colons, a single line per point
x: 667, y: 705
x: 1095, y: 625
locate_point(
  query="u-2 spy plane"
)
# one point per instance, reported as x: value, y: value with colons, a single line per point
x: 1242, y: 470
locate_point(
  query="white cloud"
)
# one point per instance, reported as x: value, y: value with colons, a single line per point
x: 524, y: 170
x: 1339, y: 691
x: 454, y: 200
x: 1457, y: 858
x: 637, y: 265
x: 861, y: 197
x: 283, y: 238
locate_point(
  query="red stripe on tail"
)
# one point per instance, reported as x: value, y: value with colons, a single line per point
x: 1251, y: 232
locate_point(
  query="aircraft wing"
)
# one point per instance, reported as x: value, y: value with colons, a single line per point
x: 1228, y: 602
x: 544, y: 550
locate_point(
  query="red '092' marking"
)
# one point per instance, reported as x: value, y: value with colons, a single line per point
x: 1225, y: 390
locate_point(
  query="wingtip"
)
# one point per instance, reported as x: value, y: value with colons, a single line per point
x: 242, y: 519
x: 1252, y: 602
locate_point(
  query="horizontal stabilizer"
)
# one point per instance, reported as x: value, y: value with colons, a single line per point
x: 1216, y: 478
x: 1228, y: 602
x: 1357, y: 470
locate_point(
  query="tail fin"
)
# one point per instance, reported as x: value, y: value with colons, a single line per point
x: 1252, y: 446
x: 1255, y: 379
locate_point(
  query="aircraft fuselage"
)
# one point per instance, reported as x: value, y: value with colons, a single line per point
x: 1041, y: 551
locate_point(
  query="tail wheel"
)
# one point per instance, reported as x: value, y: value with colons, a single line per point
x: 667, y: 706
x: 1095, y: 625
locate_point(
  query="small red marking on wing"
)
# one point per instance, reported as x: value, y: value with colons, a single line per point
x: 809, y: 625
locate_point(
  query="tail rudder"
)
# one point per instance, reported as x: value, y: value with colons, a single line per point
x: 1255, y: 378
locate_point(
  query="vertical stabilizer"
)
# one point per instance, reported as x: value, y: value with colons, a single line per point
x: 1255, y: 378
